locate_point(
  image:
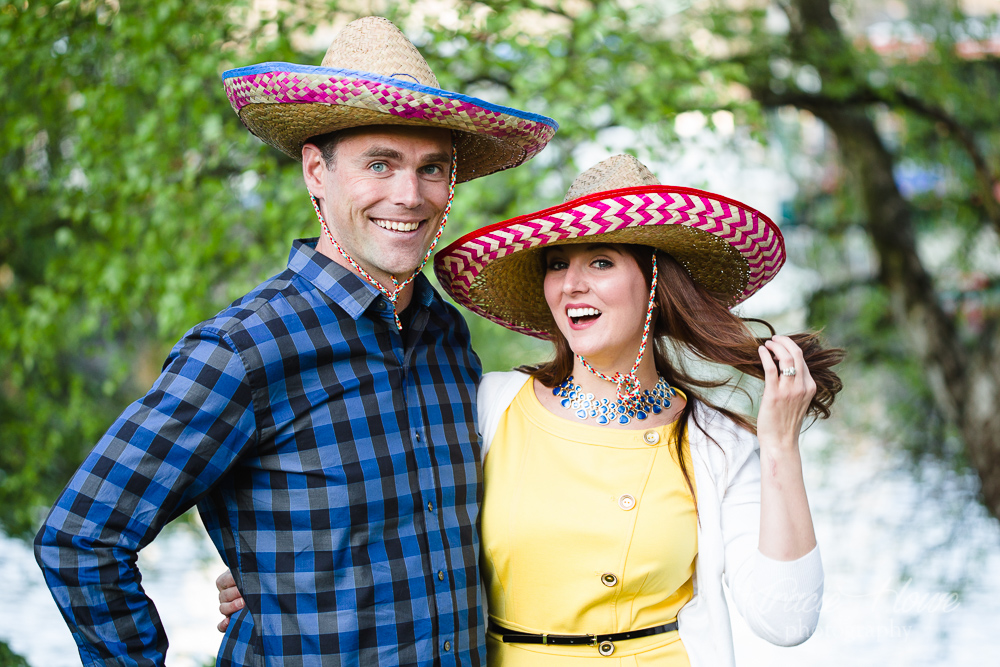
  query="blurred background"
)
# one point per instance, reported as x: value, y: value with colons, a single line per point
x: 133, y: 204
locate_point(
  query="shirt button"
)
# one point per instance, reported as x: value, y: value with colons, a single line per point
x: 440, y: 575
x: 608, y: 579
x: 430, y: 506
x: 417, y: 436
x: 651, y: 437
x: 380, y: 305
x: 626, y: 502
x: 447, y: 646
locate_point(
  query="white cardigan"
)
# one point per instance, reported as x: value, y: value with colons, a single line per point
x: 780, y: 600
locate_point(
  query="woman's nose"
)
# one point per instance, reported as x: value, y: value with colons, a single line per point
x: 574, y: 280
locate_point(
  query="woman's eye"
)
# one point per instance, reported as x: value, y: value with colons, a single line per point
x: 603, y: 263
x: 379, y: 167
x: 557, y: 265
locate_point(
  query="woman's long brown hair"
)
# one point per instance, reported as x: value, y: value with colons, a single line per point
x: 696, y: 320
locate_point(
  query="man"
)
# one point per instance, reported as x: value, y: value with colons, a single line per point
x: 324, y: 423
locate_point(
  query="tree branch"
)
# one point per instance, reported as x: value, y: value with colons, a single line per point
x: 864, y: 96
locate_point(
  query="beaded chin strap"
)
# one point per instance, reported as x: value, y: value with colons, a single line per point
x: 629, y: 391
x: 396, y: 285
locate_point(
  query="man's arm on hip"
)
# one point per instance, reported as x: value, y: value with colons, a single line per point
x: 160, y: 456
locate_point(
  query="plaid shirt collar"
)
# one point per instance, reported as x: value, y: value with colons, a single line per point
x: 343, y: 286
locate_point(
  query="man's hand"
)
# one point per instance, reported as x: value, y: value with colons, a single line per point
x: 230, y: 599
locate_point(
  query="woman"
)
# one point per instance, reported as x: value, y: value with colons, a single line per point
x: 616, y: 497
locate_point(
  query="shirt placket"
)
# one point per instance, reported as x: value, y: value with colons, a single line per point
x: 440, y: 576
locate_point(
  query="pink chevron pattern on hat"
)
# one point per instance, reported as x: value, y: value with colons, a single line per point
x: 751, y: 234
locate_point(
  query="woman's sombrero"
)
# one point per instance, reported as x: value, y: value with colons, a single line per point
x: 373, y: 75
x: 728, y: 248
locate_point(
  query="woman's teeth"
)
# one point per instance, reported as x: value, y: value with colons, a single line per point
x: 396, y: 226
x: 582, y: 312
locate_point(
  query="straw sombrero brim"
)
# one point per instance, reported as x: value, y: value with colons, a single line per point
x: 285, y: 105
x: 728, y: 248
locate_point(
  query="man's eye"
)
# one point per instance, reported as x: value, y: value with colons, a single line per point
x: 379, y: 167
x: 432, y: 170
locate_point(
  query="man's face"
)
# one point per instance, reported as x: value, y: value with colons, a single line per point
x: 383, y: 195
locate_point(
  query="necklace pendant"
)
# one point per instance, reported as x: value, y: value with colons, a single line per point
x: 604, y: 411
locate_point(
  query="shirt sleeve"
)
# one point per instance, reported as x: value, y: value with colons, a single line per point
x: 158, y: 458
x: 780, y: 600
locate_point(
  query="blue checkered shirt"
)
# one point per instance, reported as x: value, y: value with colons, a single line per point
x: 335, y: 465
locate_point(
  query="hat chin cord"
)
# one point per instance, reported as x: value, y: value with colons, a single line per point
x: 396, y: 285
x: 628, y: 389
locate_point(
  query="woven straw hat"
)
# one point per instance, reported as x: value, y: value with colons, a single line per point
x: 373, y: 75
x: 497, y: 271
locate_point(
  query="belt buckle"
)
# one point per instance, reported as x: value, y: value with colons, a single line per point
x: 593, y: 640
x: 545, y: 639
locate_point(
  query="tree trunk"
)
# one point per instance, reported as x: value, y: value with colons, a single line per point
x: 966, y: 385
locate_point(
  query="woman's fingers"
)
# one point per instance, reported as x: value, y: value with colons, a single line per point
x: 787, y: 395
x: 224, y: 581
x: 770, y: 370
x: 229, y: 608
x: 230, y: 599
x: 229, y: 594
x: 779, y: 345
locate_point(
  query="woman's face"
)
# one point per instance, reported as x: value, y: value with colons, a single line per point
x: 598, y: 298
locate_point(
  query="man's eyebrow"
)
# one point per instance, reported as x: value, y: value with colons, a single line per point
x: 437, y: 157
x: 383, y: 151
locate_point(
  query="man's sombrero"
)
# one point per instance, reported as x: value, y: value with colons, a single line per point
x: 373, y: 75
x: 730, y: 249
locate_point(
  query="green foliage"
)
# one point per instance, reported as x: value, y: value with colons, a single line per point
x: 126, y: 216
x: 10, y: 659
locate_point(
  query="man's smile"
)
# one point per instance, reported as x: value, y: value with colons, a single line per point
x: 396, y: 225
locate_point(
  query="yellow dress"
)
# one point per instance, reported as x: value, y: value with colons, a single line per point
x: 585, y: 529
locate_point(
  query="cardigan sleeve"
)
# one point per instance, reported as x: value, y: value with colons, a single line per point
x: 497, y: 391
x: 780, y: 600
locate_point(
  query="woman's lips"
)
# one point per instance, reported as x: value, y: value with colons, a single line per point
x: 581, y: 316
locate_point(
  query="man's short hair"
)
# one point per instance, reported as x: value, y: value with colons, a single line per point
x: 327, y: 145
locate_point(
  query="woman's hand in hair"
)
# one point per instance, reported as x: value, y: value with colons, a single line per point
x: 786, y: 528
x: 786, y: 398
x: 230, y: 599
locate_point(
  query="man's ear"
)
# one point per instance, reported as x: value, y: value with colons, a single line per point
x: 313, y: 169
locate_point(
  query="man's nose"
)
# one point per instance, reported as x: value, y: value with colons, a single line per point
x: 407, y: 190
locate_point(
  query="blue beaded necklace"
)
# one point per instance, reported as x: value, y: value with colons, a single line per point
x: 604, y: 411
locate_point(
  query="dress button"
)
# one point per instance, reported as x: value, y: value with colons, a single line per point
x: 609, y: 579
x: 447, y: 646
x: 605, y: 648
x: 651, y: 437
x: 626, y: 502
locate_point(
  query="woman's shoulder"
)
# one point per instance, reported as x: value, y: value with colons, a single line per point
x: 497, y: 383
x: 718, y: 438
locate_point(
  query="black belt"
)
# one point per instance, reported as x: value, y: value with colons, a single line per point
x: 605, y: 643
